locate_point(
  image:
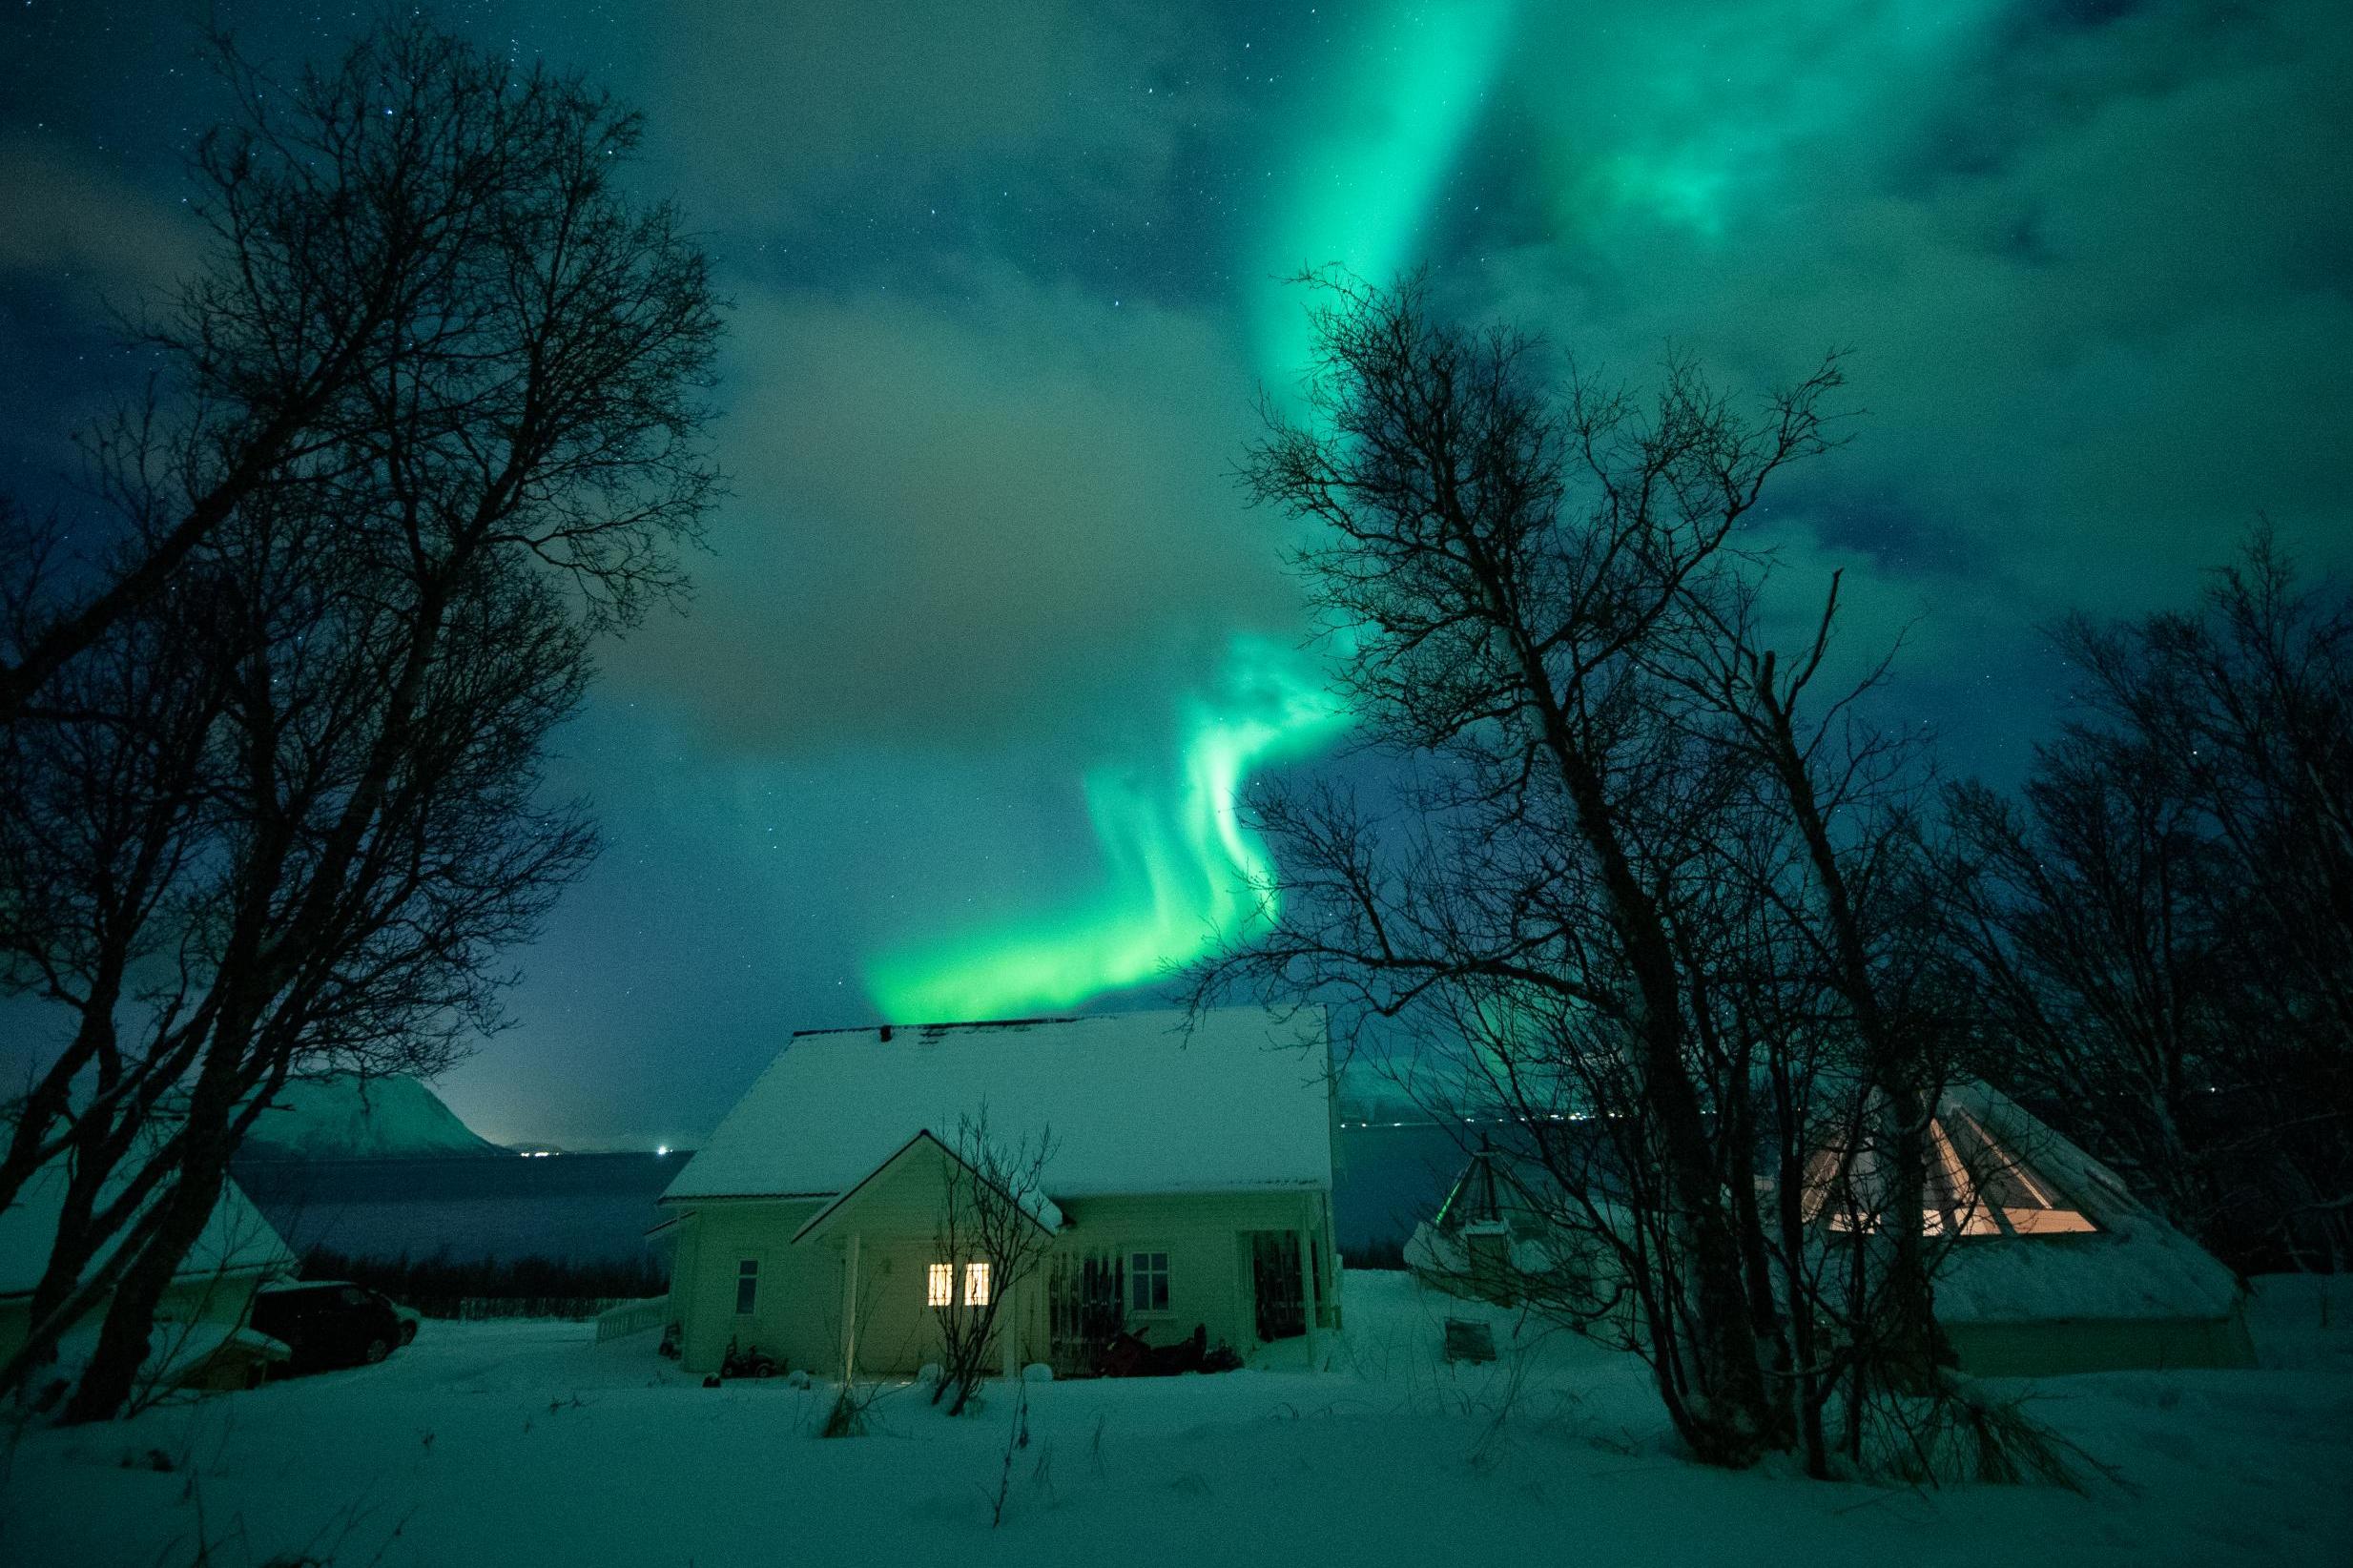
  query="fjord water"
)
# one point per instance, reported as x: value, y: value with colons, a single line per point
x: 588, y: 1208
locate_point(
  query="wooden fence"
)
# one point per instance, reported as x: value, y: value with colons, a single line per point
x: 631, y: 1317
x: 491, y: 1308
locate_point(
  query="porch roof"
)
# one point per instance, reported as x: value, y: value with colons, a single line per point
x: 1036, y: 1206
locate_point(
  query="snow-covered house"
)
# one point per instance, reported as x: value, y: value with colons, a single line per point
x: 1189, y: 1184
x: 238, y: 1252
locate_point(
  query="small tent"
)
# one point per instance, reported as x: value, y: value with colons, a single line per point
x: 1483, y: 1234
x: 1495, y: 1237
x: 2046, y: 1262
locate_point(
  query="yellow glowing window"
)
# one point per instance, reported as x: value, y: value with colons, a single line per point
x: 943, y: 1285
x: 976, y: 1285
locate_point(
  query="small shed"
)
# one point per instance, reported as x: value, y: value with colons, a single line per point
x: 237, y: 1253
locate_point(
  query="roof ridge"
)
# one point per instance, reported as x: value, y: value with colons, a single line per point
x: 893, y: 1025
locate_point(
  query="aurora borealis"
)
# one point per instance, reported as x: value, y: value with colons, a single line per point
x: 985, y: 639
x: 1181, y: 868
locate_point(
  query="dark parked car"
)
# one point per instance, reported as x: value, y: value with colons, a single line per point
x: 330, y: 1323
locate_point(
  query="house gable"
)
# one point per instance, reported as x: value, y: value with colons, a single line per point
x: 905, y: 1191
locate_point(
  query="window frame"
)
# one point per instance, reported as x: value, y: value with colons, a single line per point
x: 976, y: 1270
x: 940, y: 1286
x: 1165, y: 1274
x: 748, y: 1272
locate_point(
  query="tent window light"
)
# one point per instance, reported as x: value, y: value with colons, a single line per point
x: 1977, y: 1185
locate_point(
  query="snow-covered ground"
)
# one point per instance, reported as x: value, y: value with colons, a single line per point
x: 521, y: 1444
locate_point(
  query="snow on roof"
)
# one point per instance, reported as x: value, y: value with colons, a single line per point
x: 236, y: 1239
x: 2134, y: 1265
x: 1134, y: 1104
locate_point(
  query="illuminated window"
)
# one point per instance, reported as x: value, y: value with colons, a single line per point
x: 976, y: 1285
x: 747, y: 1287
x: 1147, y: 1282
x: 943, y: 1292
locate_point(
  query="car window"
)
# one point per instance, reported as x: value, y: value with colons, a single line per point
x: 351, y: 1295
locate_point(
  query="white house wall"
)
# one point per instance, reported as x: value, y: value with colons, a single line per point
x: 800, y: 1310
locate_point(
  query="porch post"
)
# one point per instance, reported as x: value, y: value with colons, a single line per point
x: 849, y: 1311
x: 1308, y: 1272
x: 1009, y: 1331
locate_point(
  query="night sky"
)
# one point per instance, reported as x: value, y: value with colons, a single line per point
x: 986, y: 635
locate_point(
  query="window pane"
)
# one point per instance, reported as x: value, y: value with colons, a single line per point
x: 943, y: 1291
x: 976, y: 1285
x: 747, y: 1287
x: 1148, y: 1273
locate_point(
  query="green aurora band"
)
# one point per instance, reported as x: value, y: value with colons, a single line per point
x: 1182, y: 871
x: 1180, y: 867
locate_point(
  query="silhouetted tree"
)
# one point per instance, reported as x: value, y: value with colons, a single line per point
x: 1502, y: 570
x: 358, y: 220
x: 394, y: 623
x: 2164, y: 919
x: 1837, y: 856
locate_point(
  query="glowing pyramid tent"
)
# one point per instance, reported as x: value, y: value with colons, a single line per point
x: 2050, y: 1263
x: 2046, y: 1262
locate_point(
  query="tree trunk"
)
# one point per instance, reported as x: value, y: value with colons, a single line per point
x: 42, y: 1334
x: 1906, y: 1343
x: 123, y: 1340
x: 1731, y: 1408
x: 179, y: 1217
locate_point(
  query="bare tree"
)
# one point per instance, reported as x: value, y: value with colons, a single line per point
x: 346, y: 212
x: 1651, y: 915
x: 1860, y: 902
x: 461, y: 861
x: 397, y: 627
x: 2165, y: 916
x: 1499, y: 568
x: 994, y: 1230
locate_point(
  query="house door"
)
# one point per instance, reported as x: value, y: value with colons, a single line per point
x: 1274, y: 1278
x: 1086, y: 1299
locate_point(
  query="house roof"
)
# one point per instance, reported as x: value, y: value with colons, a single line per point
x: 236, y: 1239
x: 1134, y: 1102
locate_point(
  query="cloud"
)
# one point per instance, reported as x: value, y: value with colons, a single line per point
x: 1000, y: 524
x: 69, y: 218
x: 797, y: 111
x: 2099, y: 266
